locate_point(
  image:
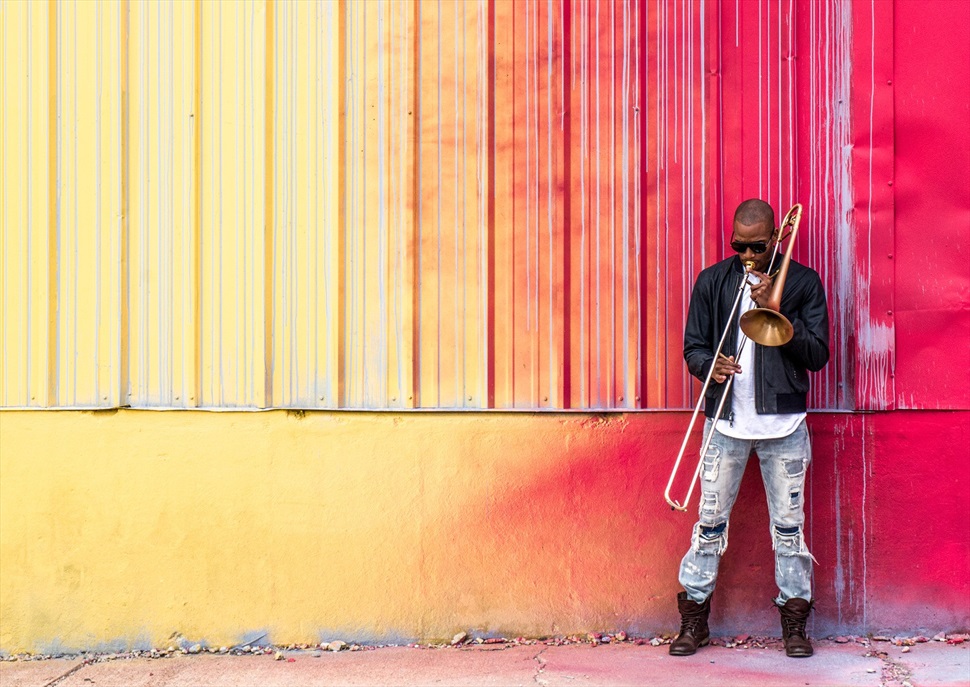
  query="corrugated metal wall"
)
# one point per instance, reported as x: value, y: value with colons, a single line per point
x: 392, y: 204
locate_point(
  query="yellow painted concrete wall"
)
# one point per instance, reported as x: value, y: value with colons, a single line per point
x: 122, y: 527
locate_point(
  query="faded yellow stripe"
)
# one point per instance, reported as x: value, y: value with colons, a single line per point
x: 125, y: 205
x: 52, y: 256
x: 341, y: 399
x: 197, y: 206
x: 268, y: 223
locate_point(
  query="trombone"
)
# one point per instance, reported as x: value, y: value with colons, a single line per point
x: 765, y: 326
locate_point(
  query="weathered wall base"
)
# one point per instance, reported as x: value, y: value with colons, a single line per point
x: 121, y: 528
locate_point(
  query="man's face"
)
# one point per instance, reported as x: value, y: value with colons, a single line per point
x: 753, y: 234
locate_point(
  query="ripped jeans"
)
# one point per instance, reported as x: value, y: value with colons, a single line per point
x: 784, y: 462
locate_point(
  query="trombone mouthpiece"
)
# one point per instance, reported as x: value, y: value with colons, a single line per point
x: 749, y: 264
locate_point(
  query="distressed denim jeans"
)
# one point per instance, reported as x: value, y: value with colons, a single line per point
x: 784, y: 463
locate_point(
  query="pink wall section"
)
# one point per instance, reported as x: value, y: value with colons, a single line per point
x: 888, y: 513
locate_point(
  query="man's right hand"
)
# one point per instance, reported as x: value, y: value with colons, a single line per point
x: 725, y: 367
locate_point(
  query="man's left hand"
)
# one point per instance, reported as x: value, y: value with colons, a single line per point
x: 761, y: 292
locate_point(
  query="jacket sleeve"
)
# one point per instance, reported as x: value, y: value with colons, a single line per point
x: 809, y: 345
x: 699, y: 340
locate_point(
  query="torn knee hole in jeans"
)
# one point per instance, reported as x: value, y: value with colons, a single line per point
x: 795, y: 468
x: 710, y: 540
x: 794, y: 500
x: 714, y: 531
x: 789, y: 541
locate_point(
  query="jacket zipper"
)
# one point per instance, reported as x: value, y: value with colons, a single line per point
x: 759, y: 389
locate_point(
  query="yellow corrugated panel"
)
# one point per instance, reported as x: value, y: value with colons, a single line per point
x: 60, y: 204
x: 305, y: 263
x: 89, y: 254
x: 161, y: 281
x: 88, y: 205
x: 233, y: 301
x: 23, y: 220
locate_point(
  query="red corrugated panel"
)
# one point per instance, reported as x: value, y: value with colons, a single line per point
x: 931, y: 44
x: 872, y: 338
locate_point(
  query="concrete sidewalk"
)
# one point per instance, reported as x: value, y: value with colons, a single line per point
x: 576, y: 665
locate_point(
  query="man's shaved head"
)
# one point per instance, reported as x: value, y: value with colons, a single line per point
x: 755, y: 211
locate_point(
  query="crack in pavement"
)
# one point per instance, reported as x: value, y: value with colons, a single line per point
x: 540, y: 667
x: 894, y: 673
x: 66, y: 675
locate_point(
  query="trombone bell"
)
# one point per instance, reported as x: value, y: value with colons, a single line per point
x: 766, y: 327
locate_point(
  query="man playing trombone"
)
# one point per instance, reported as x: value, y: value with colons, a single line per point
x: 760, y: 386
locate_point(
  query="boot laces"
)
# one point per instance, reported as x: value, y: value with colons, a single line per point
x: 794, y: 626
x: 689, y: 625
x: 689, y: 622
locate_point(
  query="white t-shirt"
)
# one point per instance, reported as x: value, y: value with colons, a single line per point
x: 747, y: 424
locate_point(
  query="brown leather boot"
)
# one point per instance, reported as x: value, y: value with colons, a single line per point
x: 793, y: 616
x: 693, y: 626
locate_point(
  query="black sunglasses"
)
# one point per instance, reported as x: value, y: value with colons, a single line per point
x: 758, y: 247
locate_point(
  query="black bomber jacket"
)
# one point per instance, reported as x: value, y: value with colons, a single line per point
x: 781, y: 372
